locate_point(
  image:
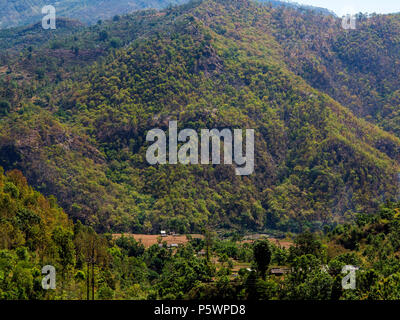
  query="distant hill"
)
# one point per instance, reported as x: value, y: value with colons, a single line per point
x: 23, y: 12
x: 298, y: 6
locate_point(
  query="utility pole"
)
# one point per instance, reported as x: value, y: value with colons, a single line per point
x: 87, y: 280
x: 93, y: 270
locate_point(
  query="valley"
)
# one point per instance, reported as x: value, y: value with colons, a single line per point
x: 81, y: 107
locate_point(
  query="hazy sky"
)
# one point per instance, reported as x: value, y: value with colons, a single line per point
x: 342, y: 7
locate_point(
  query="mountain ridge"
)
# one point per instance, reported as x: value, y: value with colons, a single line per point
x: 20, y: 12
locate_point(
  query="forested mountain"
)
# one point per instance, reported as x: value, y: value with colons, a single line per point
x: 77, y: 106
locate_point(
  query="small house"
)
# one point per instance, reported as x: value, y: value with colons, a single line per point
x: 279, y: 271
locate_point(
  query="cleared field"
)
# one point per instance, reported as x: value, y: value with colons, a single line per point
x: 278, y: 242
x: 149, y: 240
x: 281, y: 243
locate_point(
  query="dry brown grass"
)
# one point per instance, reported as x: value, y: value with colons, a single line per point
x: 149, y: 240
x: 283, y: 243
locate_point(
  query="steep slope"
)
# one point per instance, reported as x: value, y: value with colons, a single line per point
x: 27, y: 218
x: 211, y: 64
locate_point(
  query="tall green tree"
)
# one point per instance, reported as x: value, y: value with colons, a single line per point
x: 262, y: 256
x: 5, y: 107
